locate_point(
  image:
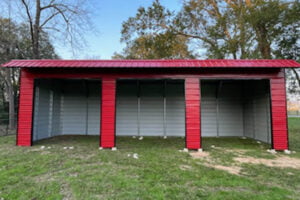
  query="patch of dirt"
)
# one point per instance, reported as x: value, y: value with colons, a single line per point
x: 65, y: 190
x: 239, y: 151
x: 208, y: 163
x: 230, y: 169
x: 280, y: 161
x: 197, y: 154
x: 185, y: 167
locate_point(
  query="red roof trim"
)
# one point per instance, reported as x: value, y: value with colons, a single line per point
x: 151, y: 63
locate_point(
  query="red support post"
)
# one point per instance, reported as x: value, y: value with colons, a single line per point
x: 279, y: 113
x: 24, y: 128
x: 108, y: 113
x: 192, y: 113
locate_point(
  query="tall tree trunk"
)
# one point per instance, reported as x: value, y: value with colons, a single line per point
x: 36, y: 30
x: 11, y: 99
x: 263, y: 43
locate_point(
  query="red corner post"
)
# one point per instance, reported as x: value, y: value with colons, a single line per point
x: 192, y: 113
x: 279, y: 113
x: 108, y: 113
x: 24, y: 131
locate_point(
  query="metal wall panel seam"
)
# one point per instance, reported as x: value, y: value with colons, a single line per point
x: 61, y: 111
x: 50, y: 113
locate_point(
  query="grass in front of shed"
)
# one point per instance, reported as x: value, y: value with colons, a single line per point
x: 160, y: 172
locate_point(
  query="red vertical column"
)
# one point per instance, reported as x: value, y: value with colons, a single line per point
x: 24, y: 128
x: 192, y: 113
x: 279, y: 113
x: 108, y: 113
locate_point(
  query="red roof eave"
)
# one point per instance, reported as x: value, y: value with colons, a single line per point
x: 221, y: 63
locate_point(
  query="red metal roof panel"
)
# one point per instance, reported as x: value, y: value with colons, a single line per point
x: 151, y: 63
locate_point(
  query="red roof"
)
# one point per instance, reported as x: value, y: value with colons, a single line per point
x: 152, y: 63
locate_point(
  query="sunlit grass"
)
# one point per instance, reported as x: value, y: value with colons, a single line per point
x: 160, y: 172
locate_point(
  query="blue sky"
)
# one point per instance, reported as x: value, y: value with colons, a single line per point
x: 107, y: 21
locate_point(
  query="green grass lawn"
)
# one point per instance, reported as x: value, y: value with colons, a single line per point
x: 160, y: 172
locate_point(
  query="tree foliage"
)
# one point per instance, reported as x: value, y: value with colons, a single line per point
x: 15, y: 43
x: 237, y: 29
x: 159, y: 46
x: 145, y: 39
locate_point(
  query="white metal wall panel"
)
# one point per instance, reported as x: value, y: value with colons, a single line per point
x: 208, y: 109
x: 151, y: 116
x: 36, y: 113
x: 41, y: 115
x: 262, y: 112
x: 74, y: 110
x: 93, y: 107
x: 248, y: 109
x: 248, y: 119
x: 56, y: 125
x: 257, y: 110
x: 127, y: 108
x: 175, y: 109
x: 230, y: 109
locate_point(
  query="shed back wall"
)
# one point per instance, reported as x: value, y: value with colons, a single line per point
x: 150, y: 119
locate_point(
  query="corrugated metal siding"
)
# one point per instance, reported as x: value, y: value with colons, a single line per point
x: 64, y: 107
x: 25, y: 109
x: 152, y: 63
x: 192, y: 113
x: 56, y: 114
x: 108, y: 113
x: 279, y: 119
x: 209, y: 109
x: 230, y: 109
x: 74, y: 110
x: 175, y: 109
x: 257, y: 110
x: 127, y: 109
x: 243, y: 109
x: 151, y: 115
x: 151, y: 112
x: 249, y: 117
x: 93, y: 107
x: 80, y: 113
x: 222, y: 108
x: 261, y: 113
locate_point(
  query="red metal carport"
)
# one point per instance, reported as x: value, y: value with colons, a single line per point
x: 190, y: 71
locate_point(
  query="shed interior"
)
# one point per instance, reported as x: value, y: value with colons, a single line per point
x: 236, y: 108
x: 152, y: 108
x: 66, y: 107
